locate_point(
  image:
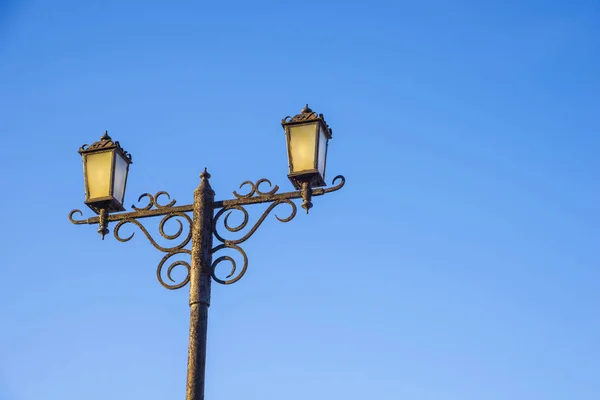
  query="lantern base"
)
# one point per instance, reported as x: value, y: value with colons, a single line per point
x: 109, y: 204
x: 313, y: 178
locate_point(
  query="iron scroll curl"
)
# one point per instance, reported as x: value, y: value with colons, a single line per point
x: 255, y: 189
x: 153, y: 201
x: 255, y: 192
x: 77, y: 221
x: 234, y: 267
x: 176, y: 284
x: 334, y: 188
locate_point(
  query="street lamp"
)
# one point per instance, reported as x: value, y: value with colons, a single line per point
x: 105, y: 174
x: 307, y: 137
x: 105, y: 167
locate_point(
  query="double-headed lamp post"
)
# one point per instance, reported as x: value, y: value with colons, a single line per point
x: 106, y: 165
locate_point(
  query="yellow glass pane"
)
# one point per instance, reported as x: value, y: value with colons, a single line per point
x: 97, y: 170
x: 302, y: 147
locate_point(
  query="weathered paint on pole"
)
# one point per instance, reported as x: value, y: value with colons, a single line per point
x: 200, y: 279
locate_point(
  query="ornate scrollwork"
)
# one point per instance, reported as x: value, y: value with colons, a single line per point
x: 169, y: 211
x: 255, y: 189
x: 76, y: 221
x: 161, y: 226
x: 172, y: 250
x: 161, y: 264
x: 320, y: 191
x: 306, y: 114
x: 153, y: 201
x: 236, y: 228
x: 234, y: 243
x: 219, y: 260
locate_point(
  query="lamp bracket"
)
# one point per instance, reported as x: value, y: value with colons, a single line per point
x: 169, y: 211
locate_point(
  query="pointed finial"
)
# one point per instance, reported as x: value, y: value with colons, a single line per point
x: 306, y: 110
x: 306, y: 196
x: 307, y: 205
x: 205, y: 175
x: 103, y: 222
x: 105, y: 136
x: 103, y: 232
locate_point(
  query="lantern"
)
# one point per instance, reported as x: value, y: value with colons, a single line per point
x: 307, y: 136
x: 105, y: 168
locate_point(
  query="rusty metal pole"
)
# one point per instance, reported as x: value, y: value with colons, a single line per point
x: 200, y: 279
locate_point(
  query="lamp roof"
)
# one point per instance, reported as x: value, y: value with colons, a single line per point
x: 105, y: 143
x: 306, y: 115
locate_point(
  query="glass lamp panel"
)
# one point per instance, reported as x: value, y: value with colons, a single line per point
x: 98, y: 174
x: 302, y: 143
x: 322, y: 154
x: 121, y: 167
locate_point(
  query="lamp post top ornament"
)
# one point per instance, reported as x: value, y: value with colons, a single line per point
x: 205, y: 175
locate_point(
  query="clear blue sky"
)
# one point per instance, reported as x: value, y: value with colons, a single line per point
x: 461, y: 261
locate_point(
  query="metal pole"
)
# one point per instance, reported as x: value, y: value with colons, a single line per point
x: 200, y: 278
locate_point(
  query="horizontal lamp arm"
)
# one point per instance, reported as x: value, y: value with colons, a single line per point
x: 132, y: 215
x: 270, y: 197
x: 261, y: 197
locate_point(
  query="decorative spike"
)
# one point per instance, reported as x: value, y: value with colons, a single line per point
x: 205, y: 175
x: 307, y: 205
x: 103, y: 232
x: 105, y: 137
x: 306, y: 196
x: 103, y: 223
x: 306, y: 110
